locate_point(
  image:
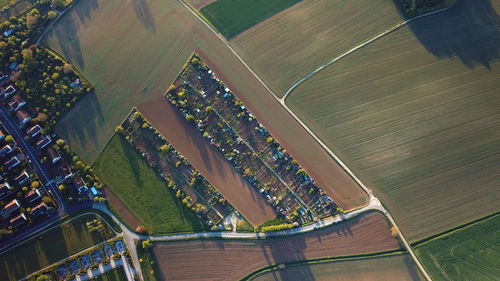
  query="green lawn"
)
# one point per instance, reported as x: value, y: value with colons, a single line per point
x: 45, y: 249
x: 232, y: 17
x: 117, y: 274
x: 142, y: 191
x: 471, y: 254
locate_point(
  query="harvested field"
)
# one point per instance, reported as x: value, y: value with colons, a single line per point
x: 231, y: 17
x: 390, y: 268
x: 292, y: 43
x: 209, y: 162
x: 469, y: 254
x: 129, y: 61
x: 416, y: 116
x: 231, y: 260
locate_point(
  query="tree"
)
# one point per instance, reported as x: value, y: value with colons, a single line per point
x: 394, y: 231
x: 141, y: 229
x: 47, y: 200
x: 146, y: 244
x: 60, y: 142
x: 165, y: 147
x: 58, y: 4
x: 67, y: 68
x: 208, y: 108
x: 35, y: 184
x: 52, y: 15
x: 61, y: 187
x: 43, y: 278
x: 9, y: 138
x: 269, y: 139
x: 119, y: 129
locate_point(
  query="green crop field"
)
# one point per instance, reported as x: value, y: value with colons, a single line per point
x: 471, y: 254
x: 49, y: 247
x: 117, y: 274
x: 389, y: 268
x: 293, y: 43
x: 416, y: 116
x: 232, y: 17
x: 142, y: 191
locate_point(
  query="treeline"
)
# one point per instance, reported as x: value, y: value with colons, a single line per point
x: 413, y: 8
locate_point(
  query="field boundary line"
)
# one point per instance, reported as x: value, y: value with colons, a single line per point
x: 454, y: 229
x: 355, y: 257
x: 359, y: 46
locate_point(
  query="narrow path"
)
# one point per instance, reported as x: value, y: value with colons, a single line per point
x: 323, y: 145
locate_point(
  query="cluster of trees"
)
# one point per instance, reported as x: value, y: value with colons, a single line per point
x: 45, y: 79
x: 417, y: 7
x: 277, y: 227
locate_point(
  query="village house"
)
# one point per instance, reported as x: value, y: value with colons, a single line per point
x: 22, y: 178
x: 63, y: 172
x: 23, y: 117
x: 16, y: 102
x: 34, y: 130
x: 10, y: 208
x: 2, y: 135
x: 6, y: 149
x: 80, y: 186
x: 38, y: 210
x: 13, y: 161
x: 4, y: 189
x: 9, y: 91
x: 43, y: 141
x: 53, y: 155
x: 32, y: 195
x: 18, y: 220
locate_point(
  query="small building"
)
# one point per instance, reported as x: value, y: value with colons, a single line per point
x: 2, y: 135
x: 33, y: 195
x: 4, y: 189
x: 65, y: 171
x: 6, y: 149
x: 9, y: 91
x: 8, y: 32
x: 16, y: 102
x: 43, y: 141
x: 13, y: 162
x: 22, y: 178
x: 14, y: 66
x: 34, y: 130
x: 38, y: 210
x: 10, y: 208
x: 4, y: 78
x: 18, y: 220
x: 53, y: 155
x: 23, y: 117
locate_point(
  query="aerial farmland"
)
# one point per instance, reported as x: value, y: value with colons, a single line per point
x: 148, y: 140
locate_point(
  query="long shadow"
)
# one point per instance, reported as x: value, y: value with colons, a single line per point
x: 412, y: 268
x: 133, y: 159
x: 468, y: 31
x: 141, y: 8
x: 76, y: 125
x: 66, y: 31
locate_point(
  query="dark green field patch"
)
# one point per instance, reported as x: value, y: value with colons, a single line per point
x: 470, y: 254
x: 142, y: 191
x: 232, y: 17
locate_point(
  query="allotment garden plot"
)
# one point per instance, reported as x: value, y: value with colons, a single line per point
x: 194, y: 191
x: 230, y: 127
x: 416, y: 116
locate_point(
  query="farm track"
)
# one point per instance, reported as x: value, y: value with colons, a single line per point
x: 323, y: 145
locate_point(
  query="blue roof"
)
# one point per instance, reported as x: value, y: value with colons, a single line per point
x: 8, y: 32
x: 94, y: 191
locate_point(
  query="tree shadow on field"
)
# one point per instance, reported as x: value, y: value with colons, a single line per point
x: 412, y: 268
x: 66, y: 32
x: 141, y: 8
x: 76, y: 125
x: 468, y: 31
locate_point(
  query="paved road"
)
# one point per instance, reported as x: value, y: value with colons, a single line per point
x: 12, y: 128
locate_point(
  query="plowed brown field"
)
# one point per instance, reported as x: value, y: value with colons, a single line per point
x: 231, y: 260
x: 211, y: 164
